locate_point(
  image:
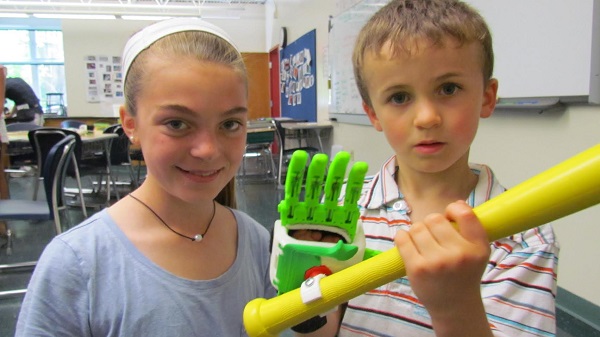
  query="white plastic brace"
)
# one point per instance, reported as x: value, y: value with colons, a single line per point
x: 310, y: 289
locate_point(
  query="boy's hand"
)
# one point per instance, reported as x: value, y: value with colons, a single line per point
x: 445, y: 262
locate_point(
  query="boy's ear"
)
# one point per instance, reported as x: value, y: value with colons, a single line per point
x: 127, y: 121
x: 490, y: 97
x: 372, y: 116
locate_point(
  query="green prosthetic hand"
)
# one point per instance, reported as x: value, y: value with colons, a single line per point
x: 293, y: 260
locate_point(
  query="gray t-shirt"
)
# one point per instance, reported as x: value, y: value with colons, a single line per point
x: 92, y: 281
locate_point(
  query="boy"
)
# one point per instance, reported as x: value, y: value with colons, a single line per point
x: 424, y: 72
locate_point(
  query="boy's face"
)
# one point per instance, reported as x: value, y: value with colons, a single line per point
x: 428, y: 102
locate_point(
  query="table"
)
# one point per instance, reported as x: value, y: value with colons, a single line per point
x: 315, y: 127
x: 89, y: 141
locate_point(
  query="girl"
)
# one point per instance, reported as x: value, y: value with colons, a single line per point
x: 173, y: 258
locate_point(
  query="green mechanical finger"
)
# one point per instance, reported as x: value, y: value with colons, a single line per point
x: 293, y: 185
x: 314, y: 184
x: 354, y: 186
x: 334, y: 182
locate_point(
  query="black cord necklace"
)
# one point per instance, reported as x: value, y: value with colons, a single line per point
x: 197, y: 237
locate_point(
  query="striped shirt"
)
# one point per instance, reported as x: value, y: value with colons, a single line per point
x: 518, y: 287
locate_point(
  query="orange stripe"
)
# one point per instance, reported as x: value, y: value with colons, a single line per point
x: 522, y: 308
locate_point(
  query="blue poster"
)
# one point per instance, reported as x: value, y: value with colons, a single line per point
x: 297, y: 83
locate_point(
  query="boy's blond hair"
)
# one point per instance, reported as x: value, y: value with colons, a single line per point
x: 404, y: 22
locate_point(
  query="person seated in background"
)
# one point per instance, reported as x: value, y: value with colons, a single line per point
x: 4, y: 231
x: 26, y: 106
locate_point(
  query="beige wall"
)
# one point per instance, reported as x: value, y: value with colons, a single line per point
x: 516, y: 146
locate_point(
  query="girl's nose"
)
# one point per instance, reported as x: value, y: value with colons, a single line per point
x: 205, y: 144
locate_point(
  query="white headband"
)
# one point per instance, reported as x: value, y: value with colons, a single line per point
x: 147, y: 36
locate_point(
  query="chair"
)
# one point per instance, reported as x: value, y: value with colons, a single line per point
x: 285, y: 152
x: 20, y: 153
x: 71, y: 124
x: 136, y: 155
x: 54, y: 173
x: 120, y: 152
x: 43, y: 139
x: 258, y: 146
x: 55, y: 104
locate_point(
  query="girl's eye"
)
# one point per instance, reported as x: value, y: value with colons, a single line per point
x: 449, y: 89
x: 176, y: 124
x: 399, y: 98
x: 232, y: 125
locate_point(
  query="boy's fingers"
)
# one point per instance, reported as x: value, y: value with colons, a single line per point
x: 466, y: 221
x: 405, y: 245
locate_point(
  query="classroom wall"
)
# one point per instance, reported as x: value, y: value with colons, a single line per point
x: 516, y: 145
x: 100, y: 37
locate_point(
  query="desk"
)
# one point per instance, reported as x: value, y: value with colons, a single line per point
x: 261, y: 129
x: 91, y: 144
x: 315, y: 127
x: 87, y: 137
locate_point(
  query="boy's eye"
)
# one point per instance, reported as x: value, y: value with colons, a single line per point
x: 449, y: 89
x: 176, y: 124
x: 399, y: 98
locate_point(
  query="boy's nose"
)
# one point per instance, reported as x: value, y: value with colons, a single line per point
x: 427, y: 115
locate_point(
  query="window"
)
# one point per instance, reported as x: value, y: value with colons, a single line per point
x: 37, y: 57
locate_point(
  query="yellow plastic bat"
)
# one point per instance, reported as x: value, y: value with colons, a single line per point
x: 566, y: 188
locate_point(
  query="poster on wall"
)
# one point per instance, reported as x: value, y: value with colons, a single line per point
x: 104, y: 79
x: 297, y: 84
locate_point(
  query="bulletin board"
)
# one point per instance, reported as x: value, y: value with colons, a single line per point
x: 297, y: 84
x: 543, y: 48
x: 104, y: 78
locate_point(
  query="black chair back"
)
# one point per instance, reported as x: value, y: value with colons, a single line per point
x: 44, y: 139
x: 119, y: 148
x: 55, y: 171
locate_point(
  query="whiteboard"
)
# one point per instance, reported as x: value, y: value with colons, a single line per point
x: 543, y: 48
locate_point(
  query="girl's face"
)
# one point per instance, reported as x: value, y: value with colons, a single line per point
x: 428, y: 103
x: 191, y: 125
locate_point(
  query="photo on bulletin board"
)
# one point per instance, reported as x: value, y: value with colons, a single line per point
x: 297, y: 84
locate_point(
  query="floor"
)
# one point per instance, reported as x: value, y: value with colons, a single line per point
x: 258, y: 199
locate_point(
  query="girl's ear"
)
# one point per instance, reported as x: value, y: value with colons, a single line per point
x: 372, y: 116
x: 490, y: 97
x: 127, y: 121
